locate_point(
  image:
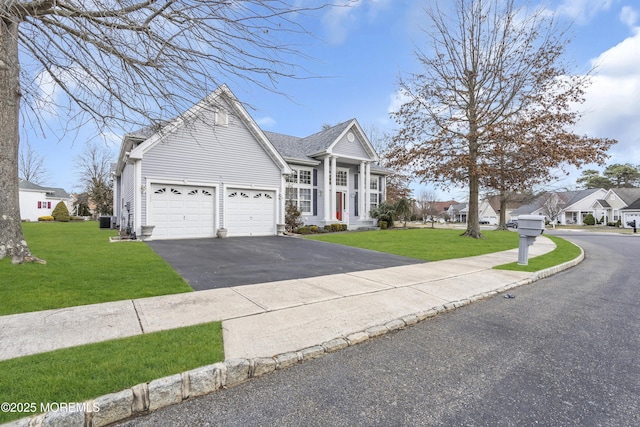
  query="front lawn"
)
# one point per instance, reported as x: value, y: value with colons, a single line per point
x: 80, y: 373
x: 425, y: 243
x: 440, y: 244
x: 564, y: 251
x: 83, y: 267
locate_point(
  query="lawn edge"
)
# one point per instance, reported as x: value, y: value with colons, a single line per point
x: 145, y: 398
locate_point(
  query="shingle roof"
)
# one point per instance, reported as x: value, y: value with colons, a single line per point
x: 52, y: 191
x: 628, y: 195
x: 568, y: 198
x: 633, y: 206
x: 288, y: 146
x: 294, y: 147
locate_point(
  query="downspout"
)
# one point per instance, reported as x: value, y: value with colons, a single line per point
x: 137, y: 196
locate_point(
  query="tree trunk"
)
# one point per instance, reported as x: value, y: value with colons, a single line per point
x: 473, y: 219
x: 502, y: 225
x: 12, y: 243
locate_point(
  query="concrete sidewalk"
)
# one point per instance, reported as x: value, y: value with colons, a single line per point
x: 267, y: 319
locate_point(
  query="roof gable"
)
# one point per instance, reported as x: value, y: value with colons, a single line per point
x: 627, y: 195
x: 333, y: 140
x: 135, y: 144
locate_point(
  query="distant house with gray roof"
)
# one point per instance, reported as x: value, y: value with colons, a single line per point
x: 564, y: 207
x: 617, y: 205
x: 36, y: 201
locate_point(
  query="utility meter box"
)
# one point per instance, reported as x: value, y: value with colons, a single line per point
x: 530, y: 225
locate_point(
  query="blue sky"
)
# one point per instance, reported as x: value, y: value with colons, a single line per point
x: 360, y: 51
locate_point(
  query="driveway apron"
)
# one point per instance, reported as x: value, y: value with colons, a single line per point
x: 221, y: 263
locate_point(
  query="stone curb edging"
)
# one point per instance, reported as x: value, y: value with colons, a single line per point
x: 145, y: 398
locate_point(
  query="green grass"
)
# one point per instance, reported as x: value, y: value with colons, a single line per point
x: 81, y: 373
x: 83, y: 267
x: 440, y: 244
x: 564, y: 251
x: 425, y: 243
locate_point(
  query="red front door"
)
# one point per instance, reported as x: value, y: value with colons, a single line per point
x: 339, y: 206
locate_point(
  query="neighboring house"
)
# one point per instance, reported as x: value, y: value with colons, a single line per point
x: 487, y: 214
x: 631, y: 213
x: 443, y: 209
x: 514, y: 202
x: 609, y: 208
x: 36, y: 201
x: 568, y: 207
x: 458, y: 212
x: 213, y: 168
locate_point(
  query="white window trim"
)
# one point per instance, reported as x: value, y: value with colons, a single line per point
x: 346, y: 172
x: 297, y: 186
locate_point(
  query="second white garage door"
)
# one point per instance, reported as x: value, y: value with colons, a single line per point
x: 250, y: 212
x: 181, y: 212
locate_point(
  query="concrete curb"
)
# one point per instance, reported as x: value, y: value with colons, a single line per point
x: 145, y: 398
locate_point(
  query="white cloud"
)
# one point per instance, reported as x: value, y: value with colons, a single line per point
x: 345, y: 17
x: 613, y: 100
x: 582, y: 11
x: 266, y: 122
x: 396, y: 100
x: 629, y: 16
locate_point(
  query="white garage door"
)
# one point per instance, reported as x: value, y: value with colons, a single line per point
x: 629, y: 217
x: 180, y: 212
x: 250, y: 212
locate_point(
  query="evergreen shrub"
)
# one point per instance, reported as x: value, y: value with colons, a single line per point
x: 61, y: 212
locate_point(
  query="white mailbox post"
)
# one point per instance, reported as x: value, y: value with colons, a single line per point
x: 529, y: 227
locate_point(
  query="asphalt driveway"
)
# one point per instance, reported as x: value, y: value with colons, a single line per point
x: 221, y: 263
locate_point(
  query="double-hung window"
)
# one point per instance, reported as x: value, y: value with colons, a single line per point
x: 299, y: 189
x: 373, y: 194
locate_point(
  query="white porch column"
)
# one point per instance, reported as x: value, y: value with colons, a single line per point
x: 333, y: 189
x: 362, y: 188
x: 326, y: 190
x: 367, y: 190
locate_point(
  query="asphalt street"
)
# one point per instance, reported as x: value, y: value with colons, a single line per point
x: 564, y: 352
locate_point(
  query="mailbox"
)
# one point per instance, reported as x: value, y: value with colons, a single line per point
x: 529, y: 227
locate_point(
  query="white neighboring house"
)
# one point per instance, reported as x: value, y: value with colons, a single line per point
x: 569, y: 207
x: 214, y: 168
x: 631, y: 213
x: 36, y: 201
x: 611, y: 206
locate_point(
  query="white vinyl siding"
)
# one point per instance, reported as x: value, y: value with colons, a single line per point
x: 206, y: 154
x: 347, y: 148
x: 127, y: 196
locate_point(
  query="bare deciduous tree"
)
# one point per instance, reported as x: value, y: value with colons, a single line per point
x: 31, y: 166
x: 552, y: 206
x: 398, y: 182
x: 427, y: 207
x: 94, y: 171
x: 128, y: 62
x: 491, y: 68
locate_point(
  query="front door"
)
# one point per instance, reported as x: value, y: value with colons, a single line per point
x: 339, y: 206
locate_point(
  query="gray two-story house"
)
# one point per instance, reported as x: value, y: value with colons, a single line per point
x: 213, y: 167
